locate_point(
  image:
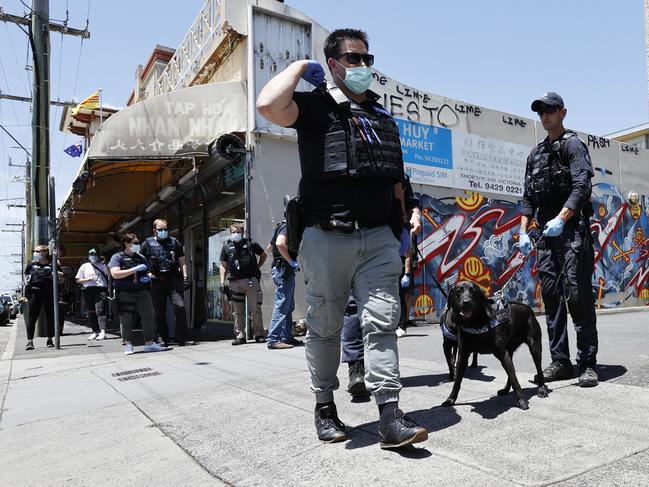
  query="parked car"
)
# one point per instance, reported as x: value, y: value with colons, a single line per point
x: 11, y: 306
x: 4, y: 314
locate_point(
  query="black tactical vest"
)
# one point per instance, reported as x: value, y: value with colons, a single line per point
x: 241, y: 261
x: 362, y: 143
x: 548, y: 179
x: 128, y: 262
x: 161, y: 255
x: 278, y: 259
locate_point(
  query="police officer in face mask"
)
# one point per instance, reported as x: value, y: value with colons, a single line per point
x: 557, y: 192
x: 166, y: 259
x: 39, y: 291
x: 239, y: 261
x: 352, y: 194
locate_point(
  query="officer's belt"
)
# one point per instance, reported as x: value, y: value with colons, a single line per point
x: 344, y: 226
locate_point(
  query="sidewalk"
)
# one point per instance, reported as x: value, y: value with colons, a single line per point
x: 213, y: 414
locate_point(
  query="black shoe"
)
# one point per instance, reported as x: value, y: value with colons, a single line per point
x: 558, y: 371
x: 356, y: 385
x: 588, y: 377
x: 330, y: 429
x: 260, y: 339
x: 49, y: 343
x: 30, y: 345
x: 295, y: 342
x: 401, y: 431
x: 239, y: 341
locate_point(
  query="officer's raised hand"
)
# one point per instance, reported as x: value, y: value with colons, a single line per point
x: 140, y: 268
x: 524, y: 243
x: 314, y: 73
x: 554, y: 227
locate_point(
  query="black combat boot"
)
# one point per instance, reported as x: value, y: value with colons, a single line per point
x: 356, y: 385
x: 587, y: 377
x: 558, y: 370
x: 399, y: 430
x: 330, y: 429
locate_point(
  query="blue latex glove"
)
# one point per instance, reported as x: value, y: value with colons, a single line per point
x: 404, y: 241
x: 314, y: 73
x: 294, y: 264
x: 140, y: 268
x: 405, y: 281
x: 554, y: 227
x: 145, y: 279
x: 524, y: 243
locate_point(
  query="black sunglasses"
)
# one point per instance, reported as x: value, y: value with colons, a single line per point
x: 356, y: 57
x: 547, y: 109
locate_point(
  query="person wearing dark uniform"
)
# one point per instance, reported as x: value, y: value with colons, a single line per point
x: 39, y: 291
x: 351, y: 190
x: 131, y: 281
x: 239, y: 260
x: 283, y: 268
x: 557, y: 193
x: 166, y: 260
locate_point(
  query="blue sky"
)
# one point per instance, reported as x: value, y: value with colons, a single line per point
x: 500, y: 54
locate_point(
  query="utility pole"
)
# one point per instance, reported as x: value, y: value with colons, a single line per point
x: 39, y: 35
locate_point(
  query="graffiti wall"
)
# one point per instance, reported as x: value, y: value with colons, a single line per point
x: 474, y: 237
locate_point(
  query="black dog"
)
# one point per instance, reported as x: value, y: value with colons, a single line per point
x: 449, y: 345
x: 473, y: 318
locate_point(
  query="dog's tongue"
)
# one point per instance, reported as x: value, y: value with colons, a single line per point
x: 466, y: 314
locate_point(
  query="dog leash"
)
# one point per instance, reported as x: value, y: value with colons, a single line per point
x: 423, y: 260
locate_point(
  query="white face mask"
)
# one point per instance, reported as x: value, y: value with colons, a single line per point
x: 236, y: 237
x: 36, y: 256
x: 135, y: 248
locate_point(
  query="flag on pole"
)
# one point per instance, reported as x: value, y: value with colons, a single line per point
x: 75, y: 150
x: 90, y: 103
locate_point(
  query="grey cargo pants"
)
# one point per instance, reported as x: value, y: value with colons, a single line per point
x: 367, y: 264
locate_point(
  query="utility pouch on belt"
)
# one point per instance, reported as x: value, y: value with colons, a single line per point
x: 294, y: 223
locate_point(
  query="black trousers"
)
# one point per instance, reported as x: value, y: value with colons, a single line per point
x: 566, y: 265
x: 169, y: 287
x: 94, y: 298
x: 38, y: 299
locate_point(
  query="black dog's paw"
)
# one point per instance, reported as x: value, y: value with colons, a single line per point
x: 503, y: 392
x: 523, y: 404
x: 543, y: 391
x: 449, y: 402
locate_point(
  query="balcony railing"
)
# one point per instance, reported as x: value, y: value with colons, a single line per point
x: 202, y: 38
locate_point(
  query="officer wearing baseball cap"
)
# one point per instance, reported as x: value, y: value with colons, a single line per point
x: 557, y: 193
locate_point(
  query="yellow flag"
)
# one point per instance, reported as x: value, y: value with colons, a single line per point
x: 90, y: 103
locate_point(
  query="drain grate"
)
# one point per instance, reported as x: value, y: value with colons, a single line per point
x: 135, y: 374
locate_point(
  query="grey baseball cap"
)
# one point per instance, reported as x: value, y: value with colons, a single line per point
x: 548, y: 99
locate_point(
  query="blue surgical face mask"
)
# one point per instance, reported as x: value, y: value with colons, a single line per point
x: 162, y: 234
x: 36, y: 255
x: 357, y: 79
x: 93, y: 258
x: 236, y: 237
x: 135, y: 248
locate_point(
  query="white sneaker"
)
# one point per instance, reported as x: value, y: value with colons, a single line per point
x: 401, y: 332
x: 101, y: 336
x: 128, y: 349
x: 92, y: 336
x: 154, y: 347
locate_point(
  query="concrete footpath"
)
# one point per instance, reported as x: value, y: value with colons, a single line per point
x: 213, y: 414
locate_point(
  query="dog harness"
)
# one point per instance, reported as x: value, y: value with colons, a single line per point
x: 501, y: 314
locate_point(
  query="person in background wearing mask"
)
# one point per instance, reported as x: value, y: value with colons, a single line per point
x: 131, y: 280
x: 166, y: 260
x: 39, y: 291
x: 352, y: 195
x: 238, y: 259
x: 93, y: 276
x: 284, y: 266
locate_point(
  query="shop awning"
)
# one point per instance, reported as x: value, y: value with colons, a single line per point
x: 145, y: 155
